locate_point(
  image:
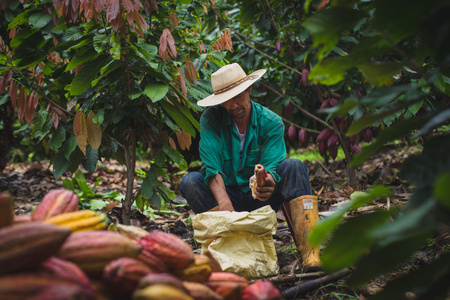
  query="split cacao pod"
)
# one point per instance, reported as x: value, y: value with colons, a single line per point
x: 93, y: 250
x: 303, y: 137
x: 122, y: 275
x: 35, y: 285
x: 169, y: 248
x: 55, y: 202
x: 27, y: 245
x: 199, y: 291
x: 261, y: 290
x: 258, y: 179
x: 80, y: 220
x: 199, y: 271
x: 6, y: 209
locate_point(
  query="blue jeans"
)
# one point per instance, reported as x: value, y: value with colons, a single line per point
x: 294, y: 183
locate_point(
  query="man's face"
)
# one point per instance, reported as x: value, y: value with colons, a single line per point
x: 239, y: 106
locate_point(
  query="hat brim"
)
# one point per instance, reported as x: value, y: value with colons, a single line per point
x: 223, y: 97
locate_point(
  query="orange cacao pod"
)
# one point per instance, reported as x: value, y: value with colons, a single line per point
x: 226, y: 284
x: 36, y: 285
x: 27, y: 245
x: 169, y: 248
x: 93, y: 250
x: 199, y: 271
x: 261, y: 290
x: 54, y: 203
x: 161, y: 278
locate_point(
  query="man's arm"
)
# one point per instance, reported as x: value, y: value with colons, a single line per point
x: 217, y: 186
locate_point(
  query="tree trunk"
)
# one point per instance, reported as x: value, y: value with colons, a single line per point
x: 130, y: 159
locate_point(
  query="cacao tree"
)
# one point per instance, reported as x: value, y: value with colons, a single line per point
x: 96, y: 79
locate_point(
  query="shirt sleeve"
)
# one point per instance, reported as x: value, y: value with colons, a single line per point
x: 210, y: 140
x: 273, y: 148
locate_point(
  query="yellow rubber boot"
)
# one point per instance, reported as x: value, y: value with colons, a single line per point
x: 305, y: 214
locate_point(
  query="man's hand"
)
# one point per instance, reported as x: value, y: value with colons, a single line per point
x: 217, y: 187
x: 263, y: 193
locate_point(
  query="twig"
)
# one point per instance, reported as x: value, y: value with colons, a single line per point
x: 293, y: 277
x: 301, y: 127
x: 311, y: 115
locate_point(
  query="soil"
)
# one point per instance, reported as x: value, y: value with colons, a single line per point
x: 29, y: 182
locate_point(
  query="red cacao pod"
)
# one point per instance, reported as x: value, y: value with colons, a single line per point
x: 332, y: 140
x: 325, y: 104
x: 354, y: 148
x: 304, y: 79
x: 65, y: 269
x: 288, y: 108
x: 322, y: 148
x: 303, y: 137
x: 278, y: 45
x: 324, y: 135
x: 367, y: 135
x: 353, y: 139
x: 333, y: 102
x: 55, y: 202
x: 333, y: 150
x: 292, y: 132
x: 358, y: 93
x: 261, y: 290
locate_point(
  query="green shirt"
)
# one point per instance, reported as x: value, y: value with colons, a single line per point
x: 220, y: 145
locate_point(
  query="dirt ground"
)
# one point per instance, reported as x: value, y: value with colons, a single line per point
x: 29, y: 182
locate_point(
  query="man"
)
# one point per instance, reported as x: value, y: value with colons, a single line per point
x: 235, y: 135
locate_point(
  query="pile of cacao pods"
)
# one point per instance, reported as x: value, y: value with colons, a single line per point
x: 61, y: 252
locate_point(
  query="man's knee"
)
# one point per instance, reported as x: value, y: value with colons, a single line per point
x: 292, y: 164
x: 190, y: 180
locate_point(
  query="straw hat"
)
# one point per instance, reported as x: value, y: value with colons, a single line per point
x: 229, y: 81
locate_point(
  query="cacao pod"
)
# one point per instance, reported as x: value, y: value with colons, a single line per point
x: 27, y: 245
x: 94, y: 249
x: 303, y: 137
x: 42, y: 287
x: 161, y: 292
x: 324, y: 134
x: 322, y: 148
x: 367, y: 135
x: 169, y: 248
x: 227, y: 285
x: 123, y: 274
x: 288, y: 108
x: 152, y: 261
x: 333, y: 151
x: 354, y: 149
x: 130, y: 231
x: 161, y: 278
x: 261, y: 290
x: 304, y: 79
x: 6, y: 209
x: 215, y: 266
x: 55, y: 202
x: 257, y: 179
x: 22, y: 219
x: 65, y: 270
x: 333, y: 102
x: 292, y: 132
x: 200, y: 291
x: 278, y: 45
x: 325, y: 104
x: 353, y: 139
x: 80, y: 220
x: 332, y: 140
x: 199, y: 271
x: 358, y: 93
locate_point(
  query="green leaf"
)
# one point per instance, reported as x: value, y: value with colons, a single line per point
x: 86, y: 75
x: 380, y: 74
x: 60, y: 165
x: 441, y: 188
x: 73, y: 34
x: 175, y: 156
x: 39, y: 20
x: 156, y: 91
x: 82, y: 56
x: 68, y: 184
x: 383, y: 96
x: 90, y: 160
x: 435, y: 121
x: 331, y: 70
x: 351, y: 240
x: 97, y: 204
x: 326, y: 26
x: 99, y: 117
x: 81, y: 181
x: 58, y: 137
x: 178, y: 117
x: 100, y: 43
x: 69, y: 146
x: 342, y: 109
x: 21, y: 18
x: 155, y: 200
x: 149, y: 183
x: 324, y: 227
